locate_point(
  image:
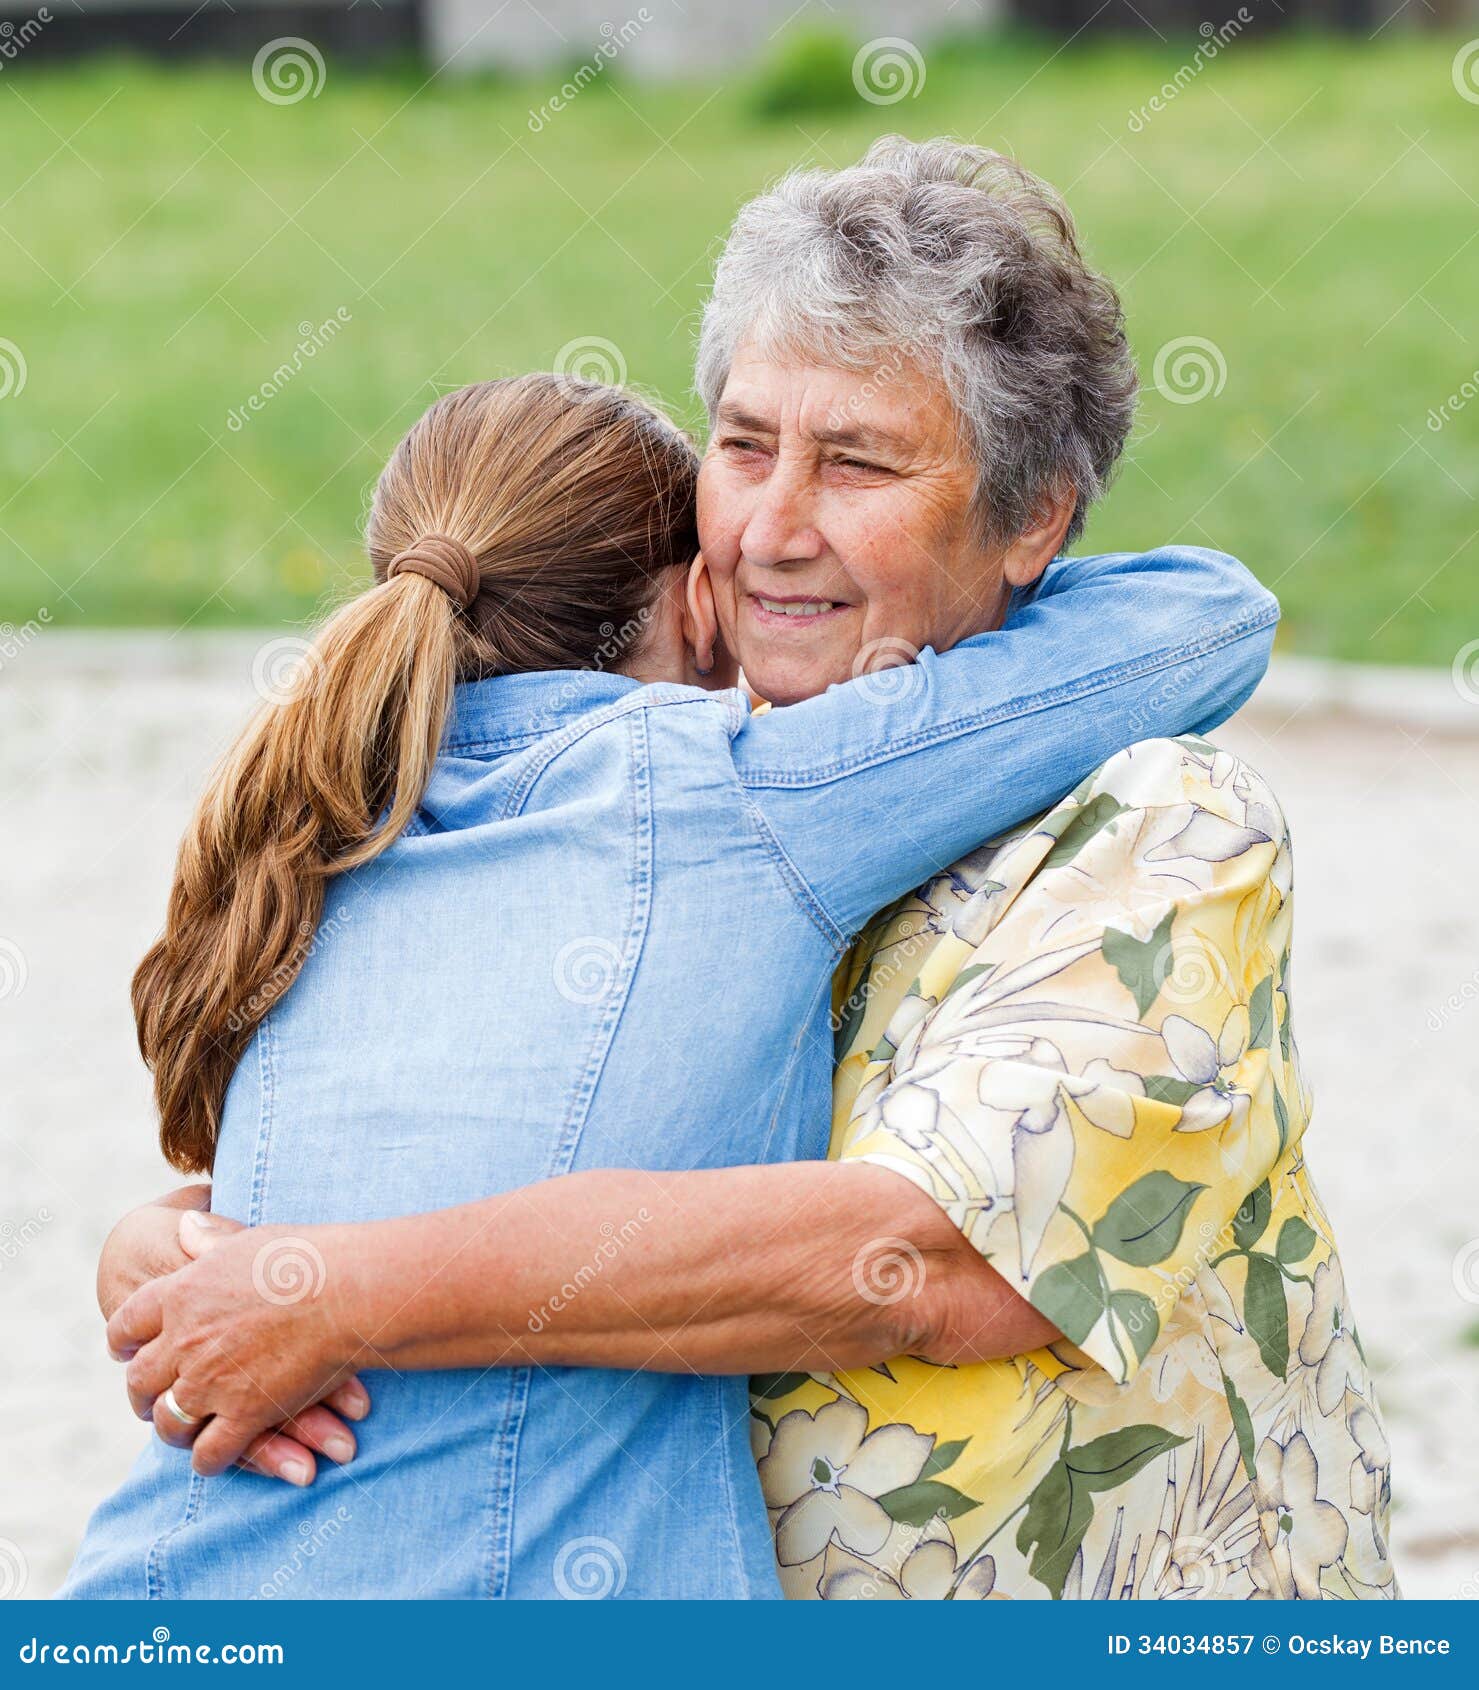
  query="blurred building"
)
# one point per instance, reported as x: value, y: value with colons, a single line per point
x: 655, y: 38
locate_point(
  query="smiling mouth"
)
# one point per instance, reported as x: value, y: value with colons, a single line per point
x: 795, y: 610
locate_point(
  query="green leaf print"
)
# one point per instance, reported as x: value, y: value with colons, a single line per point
x: 1261, y: 1014
x: 941, y: 1457
x: 1071, y: 1295
x: 1061, y: 1508
x: 914, y: 1504
x: 1251, y: 1220
x: 1243, y: 1426
x: 1281, y: 1120
x: 1296, y: 1239
x: 1141, y: 963
x: 1266, y: 1312
x: 1096, y: 815
x: 770, y: 1387
x: 1143, y: 1224
x: 966, y: 975
x: 1170, y: 1088
x: 1137, y: 1316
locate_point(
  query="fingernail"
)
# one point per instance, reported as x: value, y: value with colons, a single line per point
x: 357, y: 1405
x: 200, y: 1218
x: 295, y: 1472
x: 339, y: 1448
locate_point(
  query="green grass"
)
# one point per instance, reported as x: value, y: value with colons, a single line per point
x: 1309, y: 207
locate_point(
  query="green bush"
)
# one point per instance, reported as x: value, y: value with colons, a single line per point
x: 809, y: 71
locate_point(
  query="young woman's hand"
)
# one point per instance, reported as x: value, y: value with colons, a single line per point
x: 245, y: 1338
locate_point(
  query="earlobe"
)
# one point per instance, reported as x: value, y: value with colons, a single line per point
x: 701, y: 624
x: 1036, y: 547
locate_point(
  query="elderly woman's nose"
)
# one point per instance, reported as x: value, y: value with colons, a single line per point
x: 781, y: 528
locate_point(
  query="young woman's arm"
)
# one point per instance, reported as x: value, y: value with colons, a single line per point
x: 810, y: 1265
x: 875, y: 785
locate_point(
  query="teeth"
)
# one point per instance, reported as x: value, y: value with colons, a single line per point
x: 812, y: 608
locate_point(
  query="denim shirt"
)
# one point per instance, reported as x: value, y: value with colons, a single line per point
x: 607, y: 940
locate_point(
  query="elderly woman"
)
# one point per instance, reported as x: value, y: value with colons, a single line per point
x: 1143, y: 1378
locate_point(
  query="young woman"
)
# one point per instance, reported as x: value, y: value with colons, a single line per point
x: 518, y: 841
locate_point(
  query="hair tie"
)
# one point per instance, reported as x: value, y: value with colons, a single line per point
x: 443, y: 560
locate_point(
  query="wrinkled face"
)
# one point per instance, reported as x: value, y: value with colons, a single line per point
x: 834, y: 513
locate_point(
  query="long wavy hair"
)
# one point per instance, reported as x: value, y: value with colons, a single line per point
x: 574, y: 500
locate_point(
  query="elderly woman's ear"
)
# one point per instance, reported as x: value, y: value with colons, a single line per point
x: 711, y: 657
x: 1036, y: 546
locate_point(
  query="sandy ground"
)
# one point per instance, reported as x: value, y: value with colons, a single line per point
x: 104, y: 740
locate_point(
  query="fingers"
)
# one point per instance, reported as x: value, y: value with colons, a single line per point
x: 140, y: 1319
x: 318, y: 1429
x: 277, y: 1456
x: 200, y: 1233
x: 221, y: 1444
x: 150, y: 1372
x: 351, y: 1399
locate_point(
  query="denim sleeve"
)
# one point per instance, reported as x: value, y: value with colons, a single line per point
x: 879, y: 783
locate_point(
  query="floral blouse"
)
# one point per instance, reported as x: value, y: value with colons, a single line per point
x: 1078, y: 1041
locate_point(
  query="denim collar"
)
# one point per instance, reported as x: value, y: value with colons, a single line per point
x: 517, y: 709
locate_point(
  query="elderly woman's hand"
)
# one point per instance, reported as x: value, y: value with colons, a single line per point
x: 236, y: 1348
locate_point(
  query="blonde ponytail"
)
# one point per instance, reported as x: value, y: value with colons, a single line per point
x: 515, y: 524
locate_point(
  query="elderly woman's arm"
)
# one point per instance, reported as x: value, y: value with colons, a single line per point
x: 734, y: 1270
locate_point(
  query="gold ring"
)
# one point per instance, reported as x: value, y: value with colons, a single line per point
x: 170, y: 1401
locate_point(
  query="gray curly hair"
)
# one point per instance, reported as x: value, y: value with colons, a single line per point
x: 944, y: 255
